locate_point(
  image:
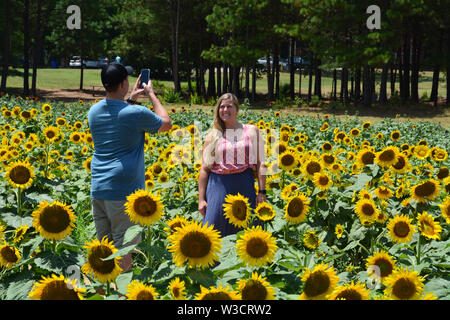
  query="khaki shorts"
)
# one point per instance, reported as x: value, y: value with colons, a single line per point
x: 111, y: 220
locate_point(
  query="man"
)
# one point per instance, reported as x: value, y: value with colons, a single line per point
x: 117, y: 166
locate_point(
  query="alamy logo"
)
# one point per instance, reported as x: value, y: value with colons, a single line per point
x: 374, y: 20
x: 74, y: 20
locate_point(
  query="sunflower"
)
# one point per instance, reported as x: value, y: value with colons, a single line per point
x: 366, y: 125
x: 350, y: 291
x: 196, y: 244
x: 53, y: 221
x: 177, y: 289
x: 395, y: 135
x: 256, y: 247
x: 322, y: 181
x: 311, y: 240
x: 438, y: 154
x: 445, y: 209
x: 296, y: 208
x: 442, y: 173
x: 237, y: 210
x: 365, y: 157
x: 51, y: 133
x: 265, y: 212
x: 428, y: 189
x: 102, y: 270
x: 421, y: 152
x: 87, y: 164
x: 137, y: 290
x: 428, y: 227
x: 56, y: 288
x: 327, y: 146
x: 383, y: 192
x: 318, y: 283
x: 404, y: 284
x: 402, y: 164
x: 380, y: 263
x: 401, y: 229
x: 20, y: 174
x: 217, y: 293
x: 256, y: 288
x: 9, y: 256
x: 61, y: 122
x: 312, y: 166
x: 366, y: 210
x: 339, y: 230
x: 144, y: 208
x: 19, y: 233
x: 287, y: 160
x: 387, y: 156
x: 324, y: 127
x: 46, y: 108
x: 175, y: 223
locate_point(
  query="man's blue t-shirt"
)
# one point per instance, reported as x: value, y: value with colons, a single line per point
x: 118, y: 131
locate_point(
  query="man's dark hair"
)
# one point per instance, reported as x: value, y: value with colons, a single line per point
x: 113, y: 74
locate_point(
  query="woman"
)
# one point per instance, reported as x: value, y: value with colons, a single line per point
x: 232, y: 154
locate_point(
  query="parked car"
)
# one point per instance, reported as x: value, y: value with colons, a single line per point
x: 298, y: 63
x: 90, y: 63
x: 102, y: 61
x: 75, y: 62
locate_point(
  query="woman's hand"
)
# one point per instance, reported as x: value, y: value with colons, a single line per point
x: 202, y: 205
x: 136, y: 90
x: 260, y: 197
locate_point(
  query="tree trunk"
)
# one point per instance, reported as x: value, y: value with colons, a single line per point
x: 393, y: 78
x: 253, y: 82
x: 416, y: 48
x: 344, y: 85
x: 37, y: 47
x: 404, y: 84
x: 367, y: 96
x: 219, y: 79
x: 6, y: 46
x: 318, y: 80
x: 211, y: 92
x: 26, y: 47
x: 383, y: 84
x: 436, y: 69
x: 357, y: 85
x: 291, y: 69
x: 225, y: 78
x: 236, y: 86
x: 311, y: 64
x: 269, y: 78
x: 174, y: 23
x: 247, y: 82
x: 276, y: 65
x: 448, y: 66
x: 334, y: 85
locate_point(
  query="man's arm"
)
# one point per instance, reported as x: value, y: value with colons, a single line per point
x: 158, y: 108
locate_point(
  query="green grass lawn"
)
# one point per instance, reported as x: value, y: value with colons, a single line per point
x: 65, y: 78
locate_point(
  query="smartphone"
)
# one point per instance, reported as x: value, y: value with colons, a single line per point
x: 145, y: 77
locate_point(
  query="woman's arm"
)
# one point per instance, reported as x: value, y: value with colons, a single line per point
x: 261, y: 168
x: 203, y: 181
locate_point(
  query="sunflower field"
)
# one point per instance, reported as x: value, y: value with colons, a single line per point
x: 355, y: 210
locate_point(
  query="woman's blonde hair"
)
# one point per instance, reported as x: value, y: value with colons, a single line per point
x: 217, y: 129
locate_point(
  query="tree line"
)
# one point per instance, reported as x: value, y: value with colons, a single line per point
x: 189, y: 40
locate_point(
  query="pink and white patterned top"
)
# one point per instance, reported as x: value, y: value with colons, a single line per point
x: 233, y: 155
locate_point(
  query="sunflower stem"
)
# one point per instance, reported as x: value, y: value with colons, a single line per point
x: 19, y: 201
x: 108, y: 288
x: 418, y: 249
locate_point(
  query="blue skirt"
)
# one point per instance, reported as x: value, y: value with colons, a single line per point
x: 220, y: 185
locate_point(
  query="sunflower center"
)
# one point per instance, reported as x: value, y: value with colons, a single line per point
x: 239, y: 209
x: 400, y: 164
x: 404, y: 288
x: 58, y: 290
x: 443, y: 173
x: 50, y: 134
x: 349, y: 294
x: 295, y: 207
x: 401, y: 229
x: 425, y: 189
x: 54, y: 219
x: 313, y: 167
x: 385, y: 267
x: 195, y: 244
x: 323, y: 180
x: 368, y: 157
x: 254, y: 290
x: 318, y: 283
x: 9, y: 254
x: 95, y: 259
x: 176, y: 292
x: 328, y: 159
x: 368, y: 209
x: 387, y: 155
x: 265, y: 212
x: 287, y: 160
x: 327, y: 146
x: 216, y: 296
x: 20, y: 175
x: 145, y: 206
x: 257, y: 248
x: 144, y: 295
x: 395, y: 135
